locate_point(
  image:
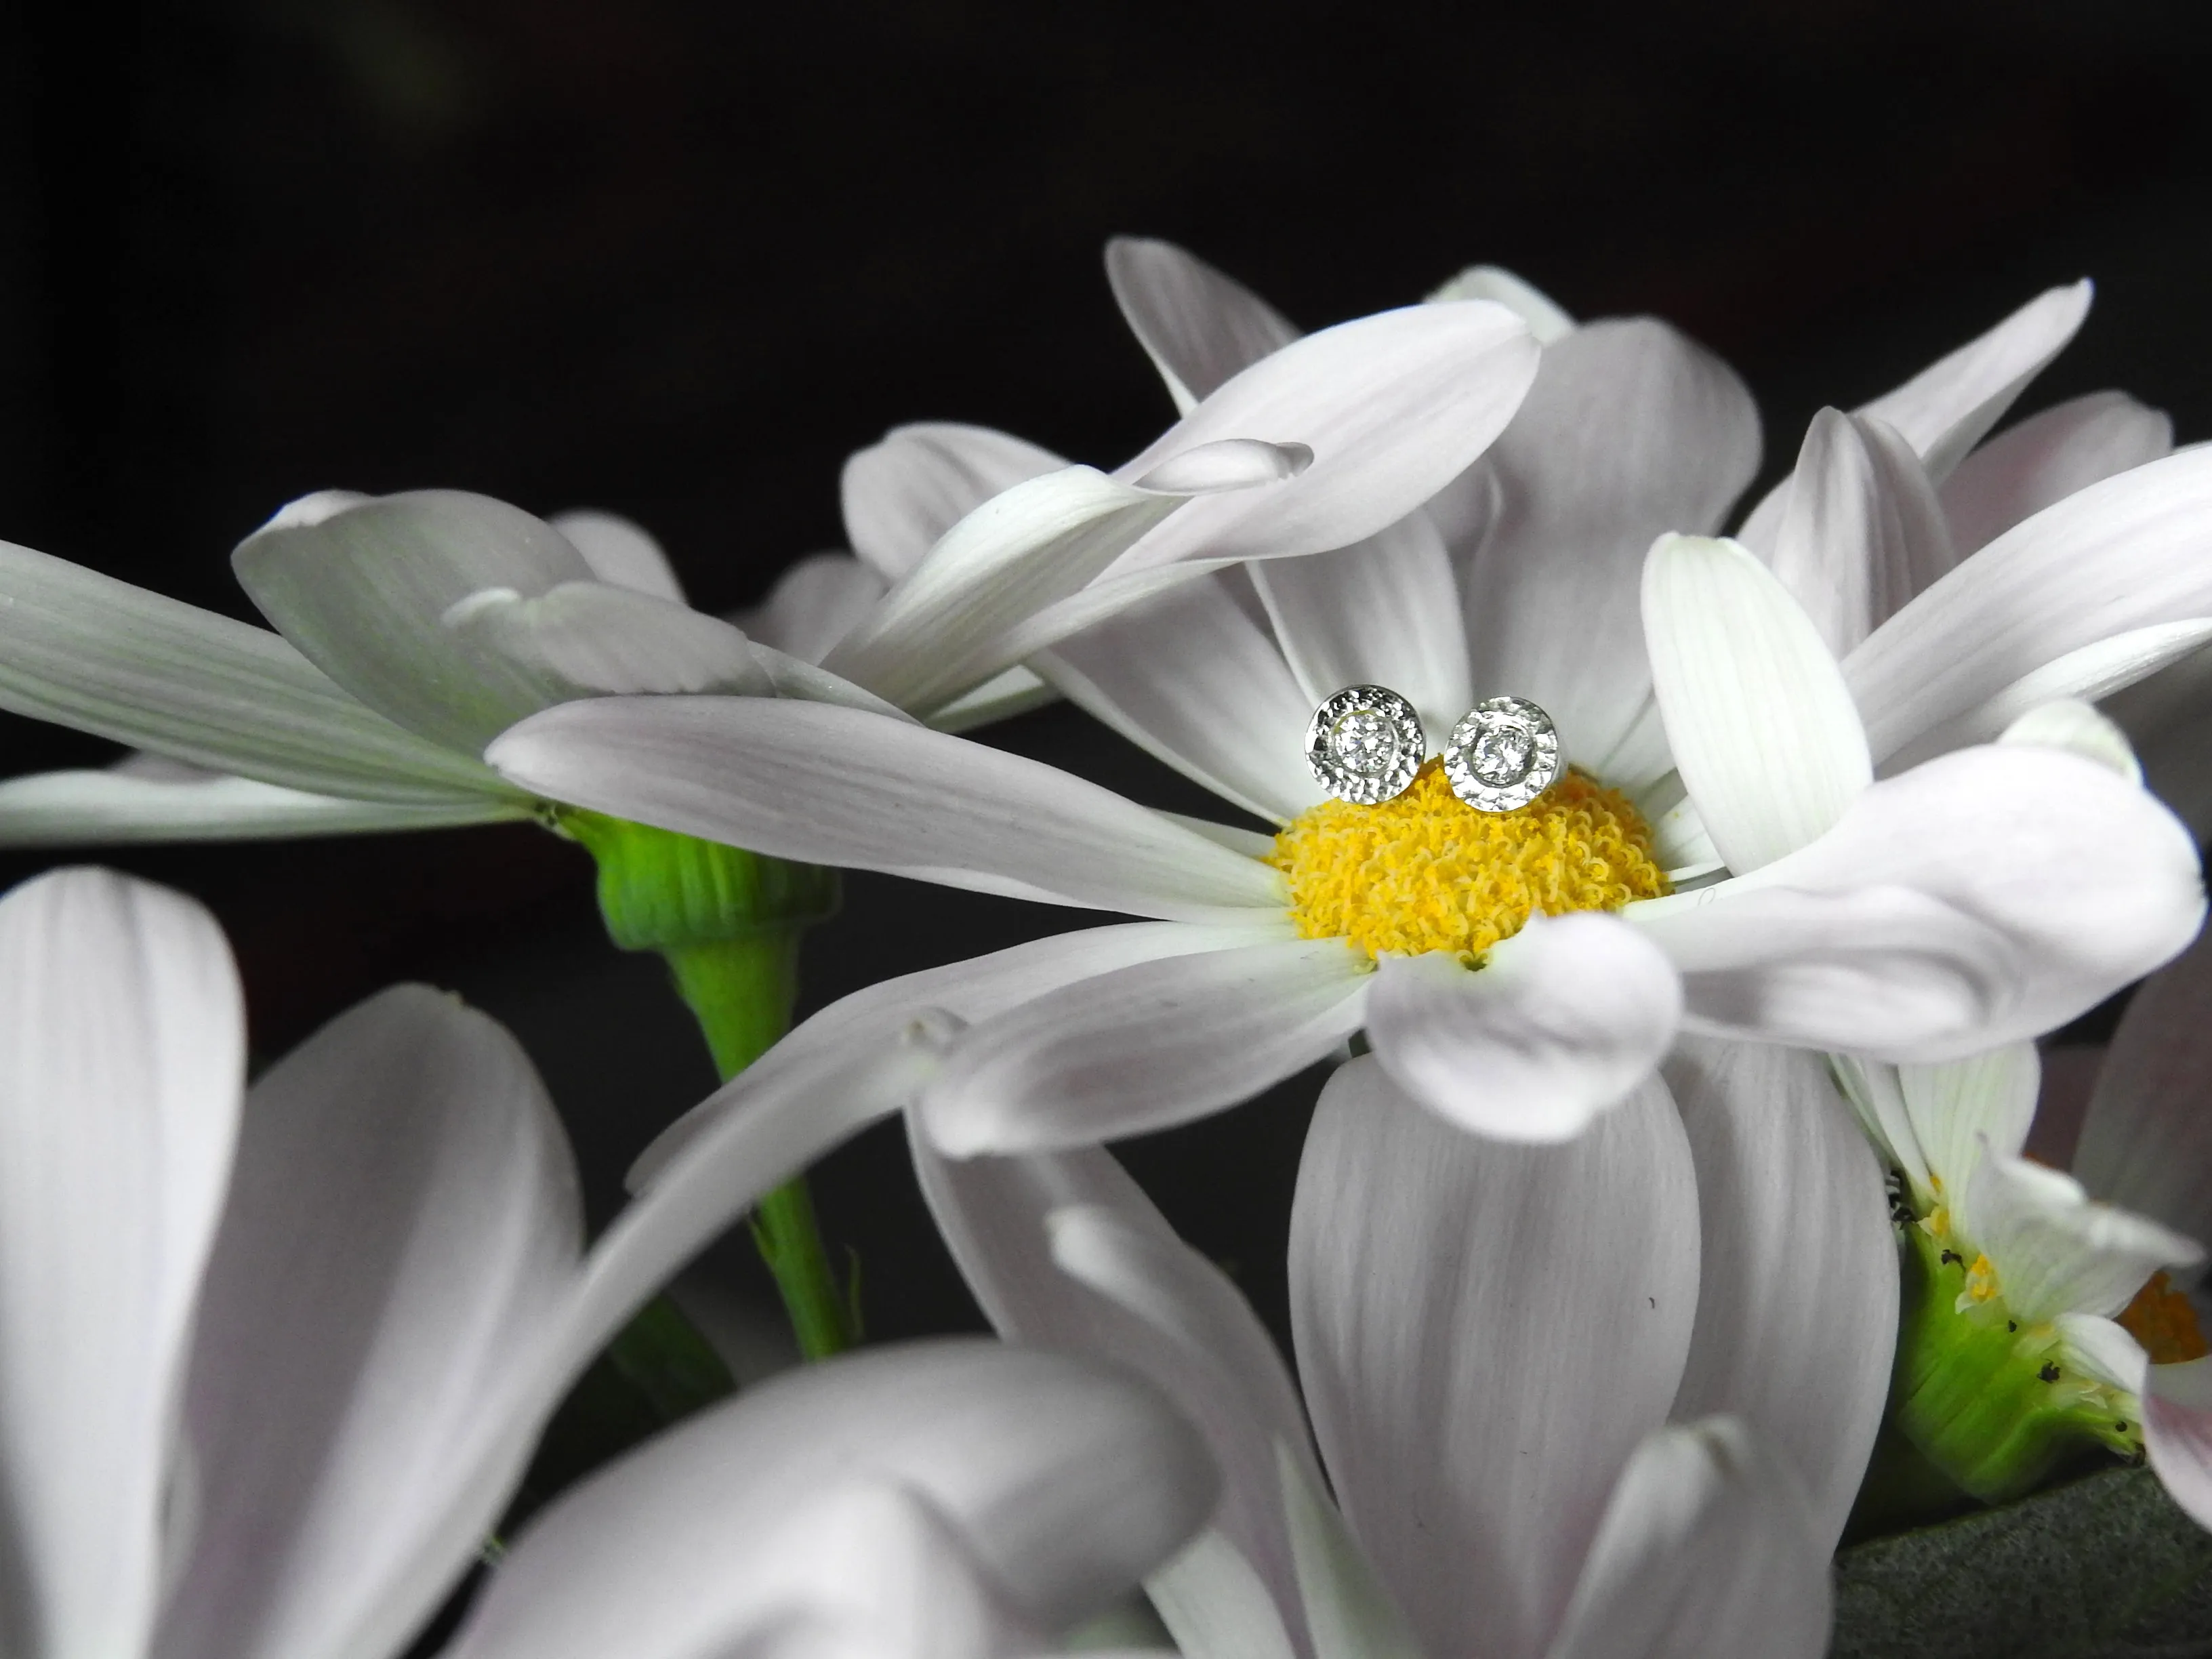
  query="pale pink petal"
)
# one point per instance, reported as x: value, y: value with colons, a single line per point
x: 2046, y: 458
x: 1201, y: 328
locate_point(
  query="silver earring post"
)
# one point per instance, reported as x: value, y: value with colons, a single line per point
x: 1503, y: 753
x: 1365, y: 744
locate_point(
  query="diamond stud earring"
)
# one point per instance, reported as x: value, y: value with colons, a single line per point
x: 1364, y: 744
x: 1502, y: 753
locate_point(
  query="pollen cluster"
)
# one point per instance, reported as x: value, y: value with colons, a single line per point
x: 1425, y: 871
x: 2161, y: 1319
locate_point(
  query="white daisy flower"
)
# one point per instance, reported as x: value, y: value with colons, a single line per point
x: 272, y: 1359
x: 2053, y: 1309
x: 412, y: 629
x: 1610, y: 1397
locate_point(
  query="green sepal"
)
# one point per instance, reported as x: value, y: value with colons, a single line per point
x: 1984, y: 1396
x: 662, y: 891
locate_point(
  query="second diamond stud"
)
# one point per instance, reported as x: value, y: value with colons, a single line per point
x: 1503, y: 753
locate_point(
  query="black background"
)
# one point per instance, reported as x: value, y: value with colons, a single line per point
x: 676, y: 259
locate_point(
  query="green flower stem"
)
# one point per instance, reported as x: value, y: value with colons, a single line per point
x: 728, y: 923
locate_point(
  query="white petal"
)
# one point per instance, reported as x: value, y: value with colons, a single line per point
x: 1545, y: 321
x: 1959, y: 1106
x: 1949, y: 407
x: 122, y: 1055
x: 1059, y: 1482
x: 364, y: 593
x: 813, y: 604
x: 1215, y: 1605
x: 620, y: 552
x: 1485, y: 1332
x: 1198, y: 326
x: 2100, y: 1348
x: 2124, y: 663
x: 1632, y: 430
x: 2046, y: 458
x: 791, y: 676
x: 940, y: 630
x: 1561, y: 1022
x: 1011, y: 691
x: 340, y: 1358
x: 1383, y: 612
x: 2178, y: 1434
x: 1759, y: 720
x: 1145, y: 1047
x: 1707, y: 1550
x: 1863, y: 531
x: 2056, y: 1251
x: 2010, y: 888
x: 836, y: 785
x: 970, y: 992
x: 2145, y: 1137
x: 1191, y: 679
x: 1226, y: 463
x: 589, y: 639
x: 82, y: 809
x: 2120, y: 555
x: 902, y: 494
x: 1348, y: 1609
x: 1393, y: 407
x: 1797, y: 1298
x: 2078, y: 728
x: 87, y: 652
x: 1064, y: 1251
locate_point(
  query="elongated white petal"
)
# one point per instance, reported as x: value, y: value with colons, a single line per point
x: 2080, y: 729
x: 1059, y: 1483
x: 2057, y: 1251
x: 364, y: 591
x: 1950, y: 406
x: 970, y: 992
x: 1632, y: 430
x: 2177, y: 1408
x: 1010, y: 692
x: 2145, y: 1137
x: 1145, y: 1047
x: 2124, y: 663
x: 934, y: 635
x: 2101, y: 1348
x: 1562, y: 1022
x: 1348, y: 1609
x: 2010, y: 888
x: 621, y: 552
x: 1758, y: 716
x: 1707, y: 1550
x: 1064, y: 1251
x: 1545, y: 321
x: 792, y: 677
x: 2046, y: 458
x: 1385, y: 611
x: 1198, y: 326
x: 1797, y: 1297
x: 589, y: 639
x: 1959, y: 1106
x: 86, y: 809
x: 340, y: 1357
x: 1863, y: 532
x: 1393, y: 407
x: 1216, y: 1606
x: 122, y: 1056
x: 836, y: 785
x: 903, y: 493
x: 85, y: 651
x: 1191, y: 679
x: 814, y: 604
x: 2119, y: 556
x: 1553, y: 1287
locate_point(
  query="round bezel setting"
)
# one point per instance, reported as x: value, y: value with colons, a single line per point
x: 1503, y: 753
x: 1364, y: 744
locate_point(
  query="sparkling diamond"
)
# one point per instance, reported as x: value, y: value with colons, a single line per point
x: 1501, y: 756
x: 1364, y: 741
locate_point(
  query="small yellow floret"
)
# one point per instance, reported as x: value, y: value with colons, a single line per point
x: 2161, y: 1319
x: 1426, y: 872
x: 1981, y: 1281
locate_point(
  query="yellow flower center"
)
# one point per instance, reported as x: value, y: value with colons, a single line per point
x: 2161, y: 1319
x: 1425, y: 871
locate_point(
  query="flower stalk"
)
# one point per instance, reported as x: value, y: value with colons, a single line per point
x: 728, y: 923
